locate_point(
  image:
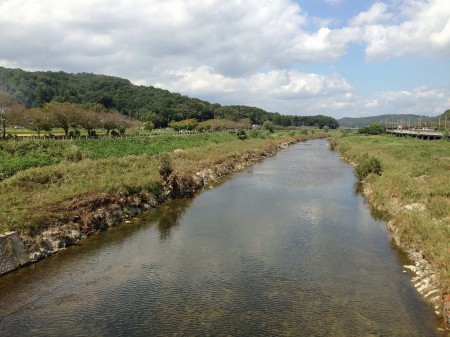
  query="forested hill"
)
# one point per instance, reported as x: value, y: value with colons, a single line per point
x: 145, y: 103
x: 348, y: 122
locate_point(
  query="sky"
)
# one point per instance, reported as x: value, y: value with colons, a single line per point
x: 340, y: 58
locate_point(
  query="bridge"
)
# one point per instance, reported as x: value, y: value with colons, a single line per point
x: 418, y: 133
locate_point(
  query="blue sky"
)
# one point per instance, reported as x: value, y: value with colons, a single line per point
x: 343, y: 58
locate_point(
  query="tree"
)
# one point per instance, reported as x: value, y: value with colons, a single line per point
x: 6, y: 111
x: 373, y: 129
x: 112, y: 120
x: 269, y: 126
x: 35, y: 119
x: 187, y: 124
x: 88, y: 120
x: 64, y: 115
x: 149, y: 126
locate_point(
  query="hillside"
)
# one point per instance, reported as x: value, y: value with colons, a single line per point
x: 348, y: 122
x: 145, y: 103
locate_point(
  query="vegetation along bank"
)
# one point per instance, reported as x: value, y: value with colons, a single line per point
x: 54, y: 193
x: 409, y: 180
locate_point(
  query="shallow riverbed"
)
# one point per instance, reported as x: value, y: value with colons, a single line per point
x: 286, y: 247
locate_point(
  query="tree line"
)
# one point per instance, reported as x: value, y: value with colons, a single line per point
x: 143, y: 103
x: 68, y: 116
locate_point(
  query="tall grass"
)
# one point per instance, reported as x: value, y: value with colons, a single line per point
x: 414, y: 172
x: 18, y: 155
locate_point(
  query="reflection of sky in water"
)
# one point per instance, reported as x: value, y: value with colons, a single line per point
x: 284, y: 248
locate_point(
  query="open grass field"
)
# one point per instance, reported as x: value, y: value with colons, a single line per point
x: 39, y: 175
x: 413, y: 189
x: 18, y: 155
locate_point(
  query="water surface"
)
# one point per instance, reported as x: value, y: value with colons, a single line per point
x: 285, y: 248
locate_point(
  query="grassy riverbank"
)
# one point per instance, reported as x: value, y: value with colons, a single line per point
x: 413, y: 189
x: 36, y: 194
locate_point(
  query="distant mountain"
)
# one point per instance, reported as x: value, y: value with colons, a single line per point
x: 349, y: 122
x: 445, y: 115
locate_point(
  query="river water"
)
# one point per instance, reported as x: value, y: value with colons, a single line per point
x: 285, y: 248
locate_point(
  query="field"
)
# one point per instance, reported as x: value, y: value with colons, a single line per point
x: 413, y: 189
x: 18, y: 155
x: 38, y: 176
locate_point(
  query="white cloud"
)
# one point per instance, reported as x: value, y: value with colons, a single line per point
x: 376, y: 14
x: 231, y: 52
x: 425, y: 29
x: 420, y: 101
x: 291, y: 89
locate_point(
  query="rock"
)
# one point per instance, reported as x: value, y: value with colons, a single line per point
x: 12, y: 252
x: 415, y: 207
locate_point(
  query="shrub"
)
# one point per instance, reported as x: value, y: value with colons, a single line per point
x: 240, y: 134
x: 74, y: 133
x: 165, y: 167
x: 446, y: 136
x: 332, y: 143
x: 149, y: 126
x: 373, y: 129
x: 269, y: 126
x: 73, y: 153
x: 366, y: 165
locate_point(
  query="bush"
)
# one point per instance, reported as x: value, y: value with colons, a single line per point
x: 165, y: 167
x: 240, y: 134
x: 367, y: 165
x: 73, y: 153
x: 269, y: 126
x: 74, y: 133
x: 446, y: 136
x: 332, y: 143
x: 373, y: 129
x: 149, y: 126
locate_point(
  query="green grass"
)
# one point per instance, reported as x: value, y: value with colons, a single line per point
x: 414, y: 172
x: 34, y: 197
x: 18, y: 155
x: 119, y: 147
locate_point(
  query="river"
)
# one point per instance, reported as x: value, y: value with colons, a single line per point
x: 285, y: 248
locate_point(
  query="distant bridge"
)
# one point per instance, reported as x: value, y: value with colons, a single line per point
x: 423, y: 134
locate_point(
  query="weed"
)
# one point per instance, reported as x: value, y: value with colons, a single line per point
x: 165, y: 167
x: 240, y: 134
x: 367, y: 165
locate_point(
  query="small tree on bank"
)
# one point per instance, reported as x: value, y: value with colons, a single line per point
x: 269, y: 126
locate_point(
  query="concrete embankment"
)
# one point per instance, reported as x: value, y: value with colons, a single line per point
x: 95, y: 213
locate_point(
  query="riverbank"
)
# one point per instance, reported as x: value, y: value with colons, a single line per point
x: 413, y: 190
x: 46, y: 209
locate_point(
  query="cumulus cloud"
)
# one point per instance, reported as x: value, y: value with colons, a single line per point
x: 231, y: 52
x: 422, y: 101
x: 376, y: 14
x: 424, y: 29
